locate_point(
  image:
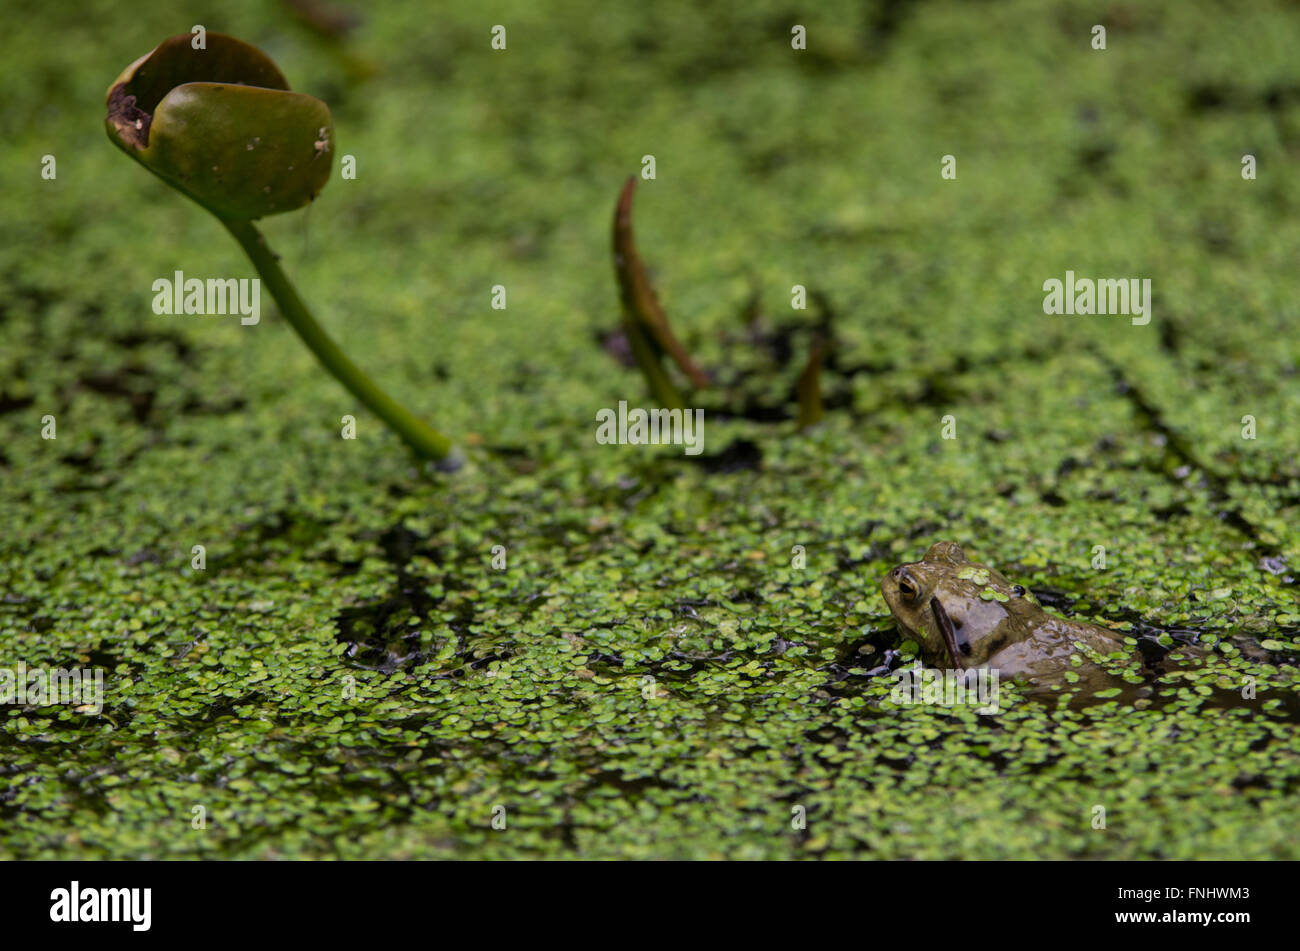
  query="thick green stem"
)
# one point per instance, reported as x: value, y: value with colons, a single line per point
x: 423, y: 440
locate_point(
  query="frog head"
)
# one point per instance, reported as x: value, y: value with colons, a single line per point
x: 960, y: 612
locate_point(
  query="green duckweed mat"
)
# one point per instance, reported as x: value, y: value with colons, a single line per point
x: 656, y: 672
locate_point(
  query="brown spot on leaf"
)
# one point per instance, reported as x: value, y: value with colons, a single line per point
x: 132, y: 123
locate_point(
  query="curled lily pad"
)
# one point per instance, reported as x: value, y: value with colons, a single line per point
x: 221, y: 125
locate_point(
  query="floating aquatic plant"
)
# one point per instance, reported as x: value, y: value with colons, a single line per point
x: 219, y: 124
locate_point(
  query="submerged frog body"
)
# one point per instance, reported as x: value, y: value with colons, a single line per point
x: 965, y: 615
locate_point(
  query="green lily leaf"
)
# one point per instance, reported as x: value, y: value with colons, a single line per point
x: 221, y: 125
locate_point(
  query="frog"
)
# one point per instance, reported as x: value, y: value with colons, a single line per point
x: 966, y: 615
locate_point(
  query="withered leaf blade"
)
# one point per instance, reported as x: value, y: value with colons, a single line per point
x: 639, y: 300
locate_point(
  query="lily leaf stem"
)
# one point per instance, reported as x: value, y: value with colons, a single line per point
x: 423, y: 440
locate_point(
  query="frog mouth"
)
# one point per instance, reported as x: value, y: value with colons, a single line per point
x: 958, y: 646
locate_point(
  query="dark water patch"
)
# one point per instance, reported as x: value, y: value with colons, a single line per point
x: 741, y: 455
x: 1094, y: 158
x: 197, y: 407
x: 1209, y: 96
x: 843, y: 678
x: 388, y: 634
x: 754, y: 411
x: 40, y: 623
x: 686, y: 607
x: 137, y: 339
x: 9, y: 404
x: 269, y: 538
x: 630, y: 785
x: 605, y: 662
x: 884, y: 21
x: 1213, y: 96
x: 133, y: 383
x: 84, y: 460
x: 684, y: 665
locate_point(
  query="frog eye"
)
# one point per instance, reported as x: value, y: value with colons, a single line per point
x: 906, y: 586
x: 1018, y: 591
